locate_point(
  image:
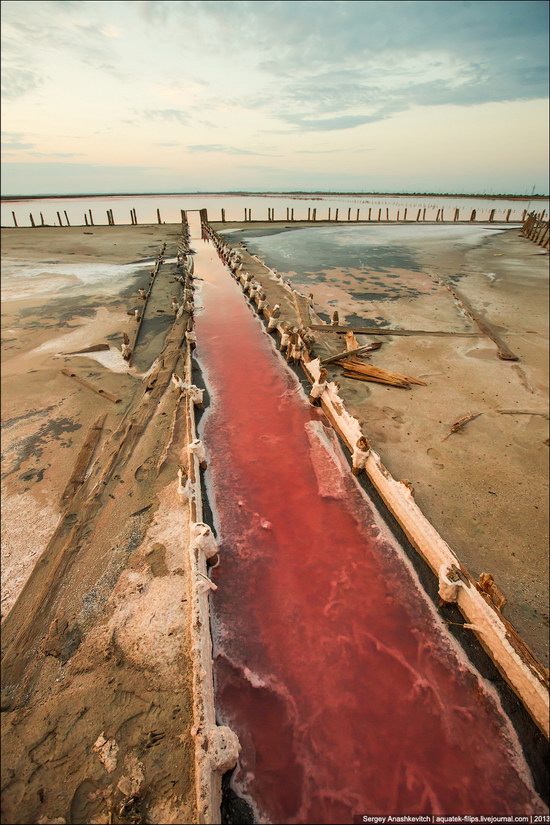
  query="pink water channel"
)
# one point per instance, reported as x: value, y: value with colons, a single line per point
x: 345, y: 689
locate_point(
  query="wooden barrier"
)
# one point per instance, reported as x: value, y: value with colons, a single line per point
x: 536, y: 230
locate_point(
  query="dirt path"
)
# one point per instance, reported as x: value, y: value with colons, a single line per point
x: 96, y: 699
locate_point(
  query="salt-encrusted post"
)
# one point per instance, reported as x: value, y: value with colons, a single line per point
x: 473, y: 215
x: 508, y: 215
x: 14, y: 218
x: 91, y: 217
x: 41, y: 219
x: 524, y: 215
x: 32, y: 219
x: 66, y: 218
x: 59, y: 219
x: 492, y: 216
x: 158, y: 216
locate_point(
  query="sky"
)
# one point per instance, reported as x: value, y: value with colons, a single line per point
x: 269, y: 95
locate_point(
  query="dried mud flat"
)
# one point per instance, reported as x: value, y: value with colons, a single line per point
x: 96, y: 700
x: 483, y: 487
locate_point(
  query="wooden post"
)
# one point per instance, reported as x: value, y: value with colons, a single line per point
x: 158, y: 216
x: 245, y: 210
x: 357, y: 218
x: 524, y: 216
x: 508, y: 215
x: 223, y: 215
x: 14, y: 218
x: 336, y: 216
x: 292, y: 214
x: 442, y: 214
x: 66, y: 218
x: 370, y: 210
x: 309, y: 213
x: 91, y: 217
x: 349, y: 214
x: 132, y: 216
x: 287, y: 214
x: 473, y: 215
x: 379, y: 215
x: 492, y: 216
x: 108, y: 217
x: 315, y: 214
x: 250, y: 214
x: 456, y: 215
x: 387, y: 214
x: 41, y: 219
x: 437, y: 216
x: 398, y: 216
x: 329, y: 213
x: 86, y: 218
x: 418, y: 215
x: 59, y: 219
x: 112, y: 218
x: 424, y: 214
x: 32, y: 219
x: 135, y: 217
x: 405, y: 215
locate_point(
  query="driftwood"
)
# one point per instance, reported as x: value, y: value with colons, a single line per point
x: 504, y: 352
x: 523, y: 412
x: 367, y: 372
x: 78, y: 475
x: 94, y: 348
x: 461, y: 422
x: 386, y: 331
x: 85, y: 383
x: 365, y: 348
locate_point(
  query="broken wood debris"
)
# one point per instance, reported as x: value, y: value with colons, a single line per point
x: 367, y: 372
x: 461, y: 422
x: 88, y: 384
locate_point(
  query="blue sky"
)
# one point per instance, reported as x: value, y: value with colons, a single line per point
x: 206, y: 96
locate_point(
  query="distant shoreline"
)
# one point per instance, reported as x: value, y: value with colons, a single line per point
x: 297, y: 193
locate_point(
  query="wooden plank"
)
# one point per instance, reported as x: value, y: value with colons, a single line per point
x: 362, y: 368
x: 504, y: 352
x: 386, y: 331
x: 78, y: 475
x: 359, y: 377
x: 88, y: 384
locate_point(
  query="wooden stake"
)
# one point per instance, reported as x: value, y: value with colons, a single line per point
x: 32, y: 219
x: 336, y: 216
x: 329, y: 213
x: 357, y: 218
x: 223, y: 216
x: 91, y: 217
x: 424, y: 214
x: 59, y: 219
x: 365, y: 348
x: 379, y: 215
x: 473, y: 215
x: 14, y: 218
x: 309, y: 213
x: 398, y: 216
x: 387, y: 214
x: 405, y: 215
x: 492, y: 216
x: 86, y: 218
x: 41, y: 219
x: 418, y: 216
x: 292, y: 214
x: 158, y: 216
x: 349, y: 214
x: 508, y: 215
x: 66, y: 218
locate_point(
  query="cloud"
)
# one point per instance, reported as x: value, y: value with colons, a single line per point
x: 13, y: 141
x: 174, y: 115
x: 222, y: 148
x: 17, y: 81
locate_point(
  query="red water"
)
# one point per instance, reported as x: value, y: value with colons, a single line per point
x: 331, y: 665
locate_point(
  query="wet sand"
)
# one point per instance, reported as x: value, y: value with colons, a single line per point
x: 97, y: 693
x: 484, y: 487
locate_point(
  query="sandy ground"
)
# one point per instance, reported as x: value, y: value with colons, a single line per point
x: 484, y: 487
x: 96, y: 663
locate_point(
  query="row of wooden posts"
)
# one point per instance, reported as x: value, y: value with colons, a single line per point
x: 537, y: 229
x: 377, y: 216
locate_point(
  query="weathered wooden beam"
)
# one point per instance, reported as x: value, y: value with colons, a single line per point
x: 78, y: 475
x: 504, y: 352
x: 341, y: 355
x: 385, y: 331
x: 88, y: 384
